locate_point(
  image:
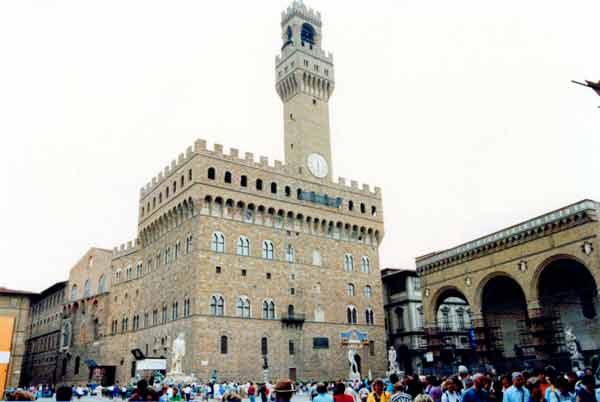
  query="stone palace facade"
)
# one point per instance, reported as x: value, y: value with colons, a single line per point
x: 254, y: 262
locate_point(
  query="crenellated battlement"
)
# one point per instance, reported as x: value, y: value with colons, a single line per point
x: 200, y: 147
x: 299, y: 9
x: 126, y: 248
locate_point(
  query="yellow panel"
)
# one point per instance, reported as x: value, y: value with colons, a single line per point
x: 6, y: 331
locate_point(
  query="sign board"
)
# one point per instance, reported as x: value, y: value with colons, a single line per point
x: 4, y: 357
x: 204, y: 362
x: 151, y: 364
x: 429, y: 357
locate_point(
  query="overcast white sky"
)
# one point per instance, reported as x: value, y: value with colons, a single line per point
x: 462, y: 111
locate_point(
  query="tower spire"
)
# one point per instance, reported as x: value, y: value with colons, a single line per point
x: 305, y: 82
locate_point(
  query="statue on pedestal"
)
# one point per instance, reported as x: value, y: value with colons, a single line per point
x: 354, y: 373
x: 393, y: 363
x: 178, y: 352
x: 573, y: 348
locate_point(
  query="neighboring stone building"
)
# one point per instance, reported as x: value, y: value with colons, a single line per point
x: 14, y: 317
x: 43, y: 339
x: 404, y: 318
x: 526, y: 286
x: 253, y: 262
x: 85, y: 319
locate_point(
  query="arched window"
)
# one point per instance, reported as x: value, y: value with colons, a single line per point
x: 74, y: 293
x: 267, y: 250
x: 368, y: 291
x: 243, y: 246
x: 102, y: 284
x: 288, y: 191
x: 299, y: 193
x: 223, y: 344
x: 373, y: 210
x: 186, y: 307
x: 316, y: 258
x: 211, y: 174
x: 369, y: 316
x: 175, y: 311
x: 77, y: 364
x: 274, y: 188
x: 227, y: 177
x: 351, y: 314
x: 268, y: 310
x: 165, y: 316
x: 350, y: 290
x: 350, y: 205
x: 365, y: 264
x: 243, y: 307
x: 218, y: 242
x: 87, y: 288
x: 308, y: 34
x: 290, y: 254
x: 244, y: 181
x: 217, y: 305
x: 259, y: 184
x: 348, y: 263
x: 362, y: 208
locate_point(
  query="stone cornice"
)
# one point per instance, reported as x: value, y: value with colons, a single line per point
x: 558, y: 220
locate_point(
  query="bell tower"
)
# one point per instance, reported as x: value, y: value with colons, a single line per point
x: 304, y: 82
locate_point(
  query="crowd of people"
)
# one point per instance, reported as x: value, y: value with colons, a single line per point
x: 547, y: 385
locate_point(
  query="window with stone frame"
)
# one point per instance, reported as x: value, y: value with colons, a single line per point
x: 186, y: 307
x: 267, y: 249
x: 218, y: 242
x: 368, y: 291
x: 167, y: 256
x: 243, y: 246
x: 290, y: 254
x: 264, y: 346
x: 154, y: 317
x: 129, y: 272
x: 369, y: 316
x: 177, y: 249
x: 243, y: 307
x: 87, y: 288
x: 348, y: 263
x: 217, y: 305
x: 268, y: 310
x: 189, y: 244
x: 223, y: 344
x: 146, y: 320
x: 175, y: 311
x: 365, y: 264
x: 138, y: 269
x: 165, y: 315
x: 350, y: 290
x: 351, y: 316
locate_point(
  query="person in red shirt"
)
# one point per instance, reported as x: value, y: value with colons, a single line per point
x: 252, y: 392
x: 339, y: 394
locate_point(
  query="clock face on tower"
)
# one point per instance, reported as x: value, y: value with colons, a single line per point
x: 317, y: 165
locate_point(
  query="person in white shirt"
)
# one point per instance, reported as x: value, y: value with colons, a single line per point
x: 451, y: 394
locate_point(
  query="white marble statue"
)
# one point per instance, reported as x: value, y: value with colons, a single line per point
x: 393, y: 368
x: 178, y: 353
x: 573, y: 348
x: 354, y: 374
